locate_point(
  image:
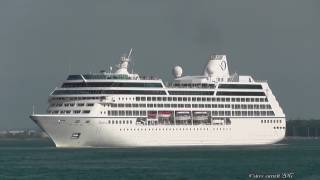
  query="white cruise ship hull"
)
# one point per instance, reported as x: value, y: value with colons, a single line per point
x: 81, y: 131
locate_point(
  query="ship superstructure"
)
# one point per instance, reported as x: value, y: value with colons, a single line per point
x: 119, y: 109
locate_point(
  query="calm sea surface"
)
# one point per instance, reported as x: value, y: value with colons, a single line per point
x: 38, y: 159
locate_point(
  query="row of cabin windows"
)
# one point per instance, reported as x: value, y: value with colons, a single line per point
x: 233, y: 106
x: 125, y: 113
x: 243, y: 113
x: 264, y: 121
x: 89, y: 98
x: 140, y: 98
x: 120, y: 122
x: 126, y: 98
x: 111, y: 84
x: 175, y: 129
x: 70, y: 104
x: 194, y: 93
x: 158, y: 92
x: 69, y: 112
x: 277, y: 127
x: 208, y: 99
x: 97, y: 76
x: 193, y: 85
x: 240, y: 86
x: 239, y: 93
x: 124, y: 92
x: 75, y: 98
x: 214, y: 113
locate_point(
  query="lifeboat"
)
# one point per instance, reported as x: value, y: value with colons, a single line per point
x: 165, y: 114
x: 152, y: 114
x: 200, y: 115
x: 218, y: 121
x: 183, y: 115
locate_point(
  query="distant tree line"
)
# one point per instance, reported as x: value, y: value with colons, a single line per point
x: 21, y: 134
x: 303, y: 128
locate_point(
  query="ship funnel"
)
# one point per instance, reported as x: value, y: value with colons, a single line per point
x: 217, y: 68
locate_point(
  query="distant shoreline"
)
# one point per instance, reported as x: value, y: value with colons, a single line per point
x: 20, y: 138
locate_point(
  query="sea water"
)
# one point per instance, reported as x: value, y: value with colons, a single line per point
x: 39, y: 159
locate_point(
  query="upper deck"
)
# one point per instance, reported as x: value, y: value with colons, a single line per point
x: 215, y: 80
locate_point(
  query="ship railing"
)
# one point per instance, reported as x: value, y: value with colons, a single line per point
x: 173, y: 85
x: 149, y: 78
x: 232, y: 80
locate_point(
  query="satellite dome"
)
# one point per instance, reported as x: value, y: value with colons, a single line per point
x: 177, y: 71
x: 210, y: 67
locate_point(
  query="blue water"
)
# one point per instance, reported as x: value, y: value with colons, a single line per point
x: 38, y: 159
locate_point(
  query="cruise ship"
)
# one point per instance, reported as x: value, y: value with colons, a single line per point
x: 122, y: 109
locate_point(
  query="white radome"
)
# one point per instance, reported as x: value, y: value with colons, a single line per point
x: 177, y: 71
x: 210, y: 68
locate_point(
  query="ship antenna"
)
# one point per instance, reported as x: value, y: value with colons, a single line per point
x: 130, y: 52
x: 129, y: 59
x: 32, y: 109
x: 132, y: 65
